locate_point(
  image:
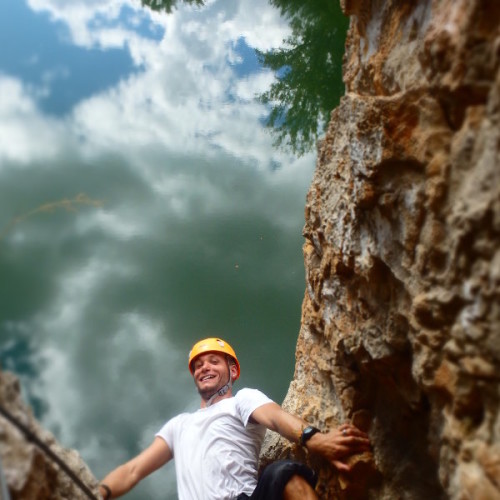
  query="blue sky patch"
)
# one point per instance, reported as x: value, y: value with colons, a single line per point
x: 42, y: 57
x: 249, y: 62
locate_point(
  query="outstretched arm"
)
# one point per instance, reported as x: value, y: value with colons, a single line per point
x: 335, y: 445
x: 126, y: 476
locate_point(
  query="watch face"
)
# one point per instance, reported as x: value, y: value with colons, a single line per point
x: 308, y: 433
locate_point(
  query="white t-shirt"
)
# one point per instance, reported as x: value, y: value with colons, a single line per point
x: 216, y: 449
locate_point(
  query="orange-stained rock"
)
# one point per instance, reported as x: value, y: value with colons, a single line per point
x: 401, y: 316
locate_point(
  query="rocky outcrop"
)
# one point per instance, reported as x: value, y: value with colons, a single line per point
x: 401, y: 316
x: 28, y: 471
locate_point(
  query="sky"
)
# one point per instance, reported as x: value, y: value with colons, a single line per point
x: 143, y: 207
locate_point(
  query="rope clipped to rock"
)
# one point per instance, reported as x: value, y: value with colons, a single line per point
x: 31, y: 436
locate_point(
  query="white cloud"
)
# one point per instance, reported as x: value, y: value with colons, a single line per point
x: 185, y: 103
x: 137, y: 345
x: 26, y: 134
x: 78, y: 14
x: 75, y: 293
x: 187, y: 97
x: 259, y: 23
x: 248, y: 88
x: 119, y: 225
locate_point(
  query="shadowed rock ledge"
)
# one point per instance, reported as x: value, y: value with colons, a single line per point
x: 28, y: 471
x: 400, y: 323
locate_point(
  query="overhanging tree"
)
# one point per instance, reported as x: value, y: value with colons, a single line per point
x: 167, y: 5
x: 308, y: 71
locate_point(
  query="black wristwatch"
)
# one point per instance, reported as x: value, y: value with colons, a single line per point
x: 107, y: 489
x: 307, y: 434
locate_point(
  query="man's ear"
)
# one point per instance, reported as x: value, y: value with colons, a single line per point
x: 233, y: 371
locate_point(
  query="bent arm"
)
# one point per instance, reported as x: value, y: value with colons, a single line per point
x: 335, y: 445
x: 272, y: 416
x: 126, y: 476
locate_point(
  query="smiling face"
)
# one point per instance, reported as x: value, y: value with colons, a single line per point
x: 211, y: 373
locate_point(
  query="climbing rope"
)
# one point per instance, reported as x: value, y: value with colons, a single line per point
x: 30, y: 436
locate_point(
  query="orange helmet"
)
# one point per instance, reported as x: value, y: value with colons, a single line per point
x: 212, y: 344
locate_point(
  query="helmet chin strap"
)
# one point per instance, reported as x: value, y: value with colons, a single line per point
x: 223, y: 390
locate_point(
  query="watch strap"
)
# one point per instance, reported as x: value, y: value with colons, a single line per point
x: 307, y: 434
x: 107, y: 489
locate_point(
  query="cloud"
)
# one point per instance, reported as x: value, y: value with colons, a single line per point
x: 77, y: 17
x: 198, y: 229
x: 176, y: 99
x: 25, y: 134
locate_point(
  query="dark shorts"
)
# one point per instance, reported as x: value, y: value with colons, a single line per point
x: 273, y: 479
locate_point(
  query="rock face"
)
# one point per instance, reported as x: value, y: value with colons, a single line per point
x: 28, y: 471
x: 401, y: 316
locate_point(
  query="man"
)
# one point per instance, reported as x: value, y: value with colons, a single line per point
x: 216, y: 448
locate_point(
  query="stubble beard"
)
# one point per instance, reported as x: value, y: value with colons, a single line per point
x: 206, y: 394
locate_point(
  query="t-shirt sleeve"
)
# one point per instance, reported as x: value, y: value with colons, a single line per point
x: 167, y: 432
x: 248, y: 400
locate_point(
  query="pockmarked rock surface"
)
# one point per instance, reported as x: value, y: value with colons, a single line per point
x: 400, y: 328
x: 29, y: 473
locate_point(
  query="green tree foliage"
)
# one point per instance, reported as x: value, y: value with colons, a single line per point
x: 308, y: 70
x: 167, y: 5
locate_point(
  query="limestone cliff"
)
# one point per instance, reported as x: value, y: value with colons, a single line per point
x: 401, y: 316
x: 28, y: 471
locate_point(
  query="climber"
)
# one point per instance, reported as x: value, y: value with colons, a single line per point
x: 216, y: 448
